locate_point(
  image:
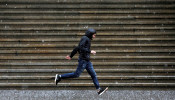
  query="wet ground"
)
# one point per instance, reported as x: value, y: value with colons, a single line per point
x: 87, y: 95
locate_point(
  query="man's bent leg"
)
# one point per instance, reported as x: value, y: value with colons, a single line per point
x: 80, y: 68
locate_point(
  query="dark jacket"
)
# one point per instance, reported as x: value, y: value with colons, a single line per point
x: 84, y: 46
x: 74, y: 51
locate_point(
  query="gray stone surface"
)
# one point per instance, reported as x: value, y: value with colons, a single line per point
x: 87, y: 95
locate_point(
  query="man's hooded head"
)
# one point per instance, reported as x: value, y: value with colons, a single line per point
x: 90, y: 32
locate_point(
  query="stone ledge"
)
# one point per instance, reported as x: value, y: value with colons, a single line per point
x: 87, y: 1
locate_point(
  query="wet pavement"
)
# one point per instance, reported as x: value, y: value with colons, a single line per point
x: 87, y: 95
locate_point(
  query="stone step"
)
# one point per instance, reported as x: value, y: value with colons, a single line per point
x: 97, y: 48
x: 83, y: 28
x: 94, y: 60
x: 82, y: 11
x: 109, y: 33
x: 107, y: 16
x: 97, y: 70
x: 27, y: 85
x: 102, y: 23
x: 99, y: 54
x: 74, y: 43
x: 70, y: 45
x: 88, y: 80
x: 26, y: 63
x: 102, y: 17
x: 93, y: 57
x: 94, y: 23
x: 86, y: 6
x: 95, y: 66
x: 98, y: 51
x: 88, y: 77
x: 85, y: 10
x: 89, y: 17
x: 107, y: 24
x: 104, y: 53
x: 86, y: 74
x: 46, y: 39
x: 87, y: 2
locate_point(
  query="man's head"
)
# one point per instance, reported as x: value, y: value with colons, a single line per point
x: 90, y: 33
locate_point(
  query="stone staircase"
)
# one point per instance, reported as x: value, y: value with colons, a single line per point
x: 135, y: 42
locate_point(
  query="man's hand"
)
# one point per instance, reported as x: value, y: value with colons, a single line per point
x: 93, y: 52
x: 68, y: 57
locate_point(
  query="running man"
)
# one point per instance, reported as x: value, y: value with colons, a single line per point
x: 84, y: 61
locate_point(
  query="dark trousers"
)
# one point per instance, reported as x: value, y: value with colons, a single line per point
x: 83, y: 64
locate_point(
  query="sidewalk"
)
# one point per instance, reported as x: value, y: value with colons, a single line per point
x: 87, y: 95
